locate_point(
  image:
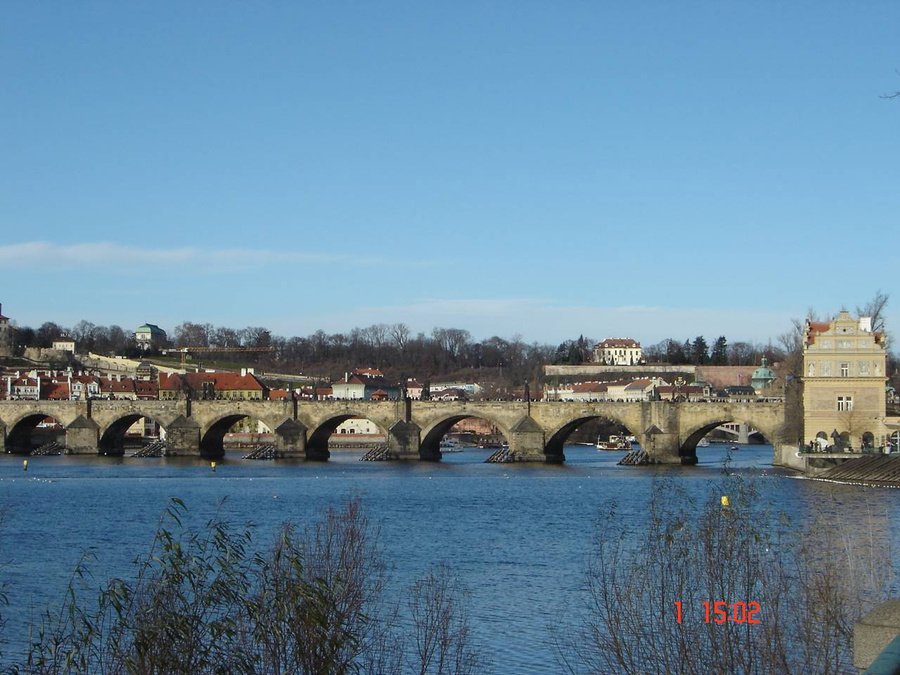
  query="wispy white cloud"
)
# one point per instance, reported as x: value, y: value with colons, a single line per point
x: 109, y: 254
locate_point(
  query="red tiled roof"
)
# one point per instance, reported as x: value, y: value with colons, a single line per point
x: 225, y: 381
x: 319, y: 391
x: 222, y: 381
x: 618, y: 342
x: 169, y: 382
x: 585, y: 387
x: 85, y: 379
x: 814, y: 328
x: 125, y: 385
x: 367, y: 372
x: 56, y: 391
x: 146, y: 388
x: 353, y: 379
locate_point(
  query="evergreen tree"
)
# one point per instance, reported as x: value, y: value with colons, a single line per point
x: 575, y: 355
x: 699, y: 351
x: 675, y: 353
x: 562, y: 353
x: 720, y: 352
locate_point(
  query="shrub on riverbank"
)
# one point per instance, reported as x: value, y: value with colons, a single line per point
x: 202, y: 601
x: 725, y: 588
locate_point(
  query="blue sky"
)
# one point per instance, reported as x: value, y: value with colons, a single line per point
x: 646, y: 169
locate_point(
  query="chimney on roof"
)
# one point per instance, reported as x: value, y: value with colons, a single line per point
x: 243, y: 372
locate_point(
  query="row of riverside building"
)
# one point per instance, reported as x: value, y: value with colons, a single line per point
x: 147, y: 384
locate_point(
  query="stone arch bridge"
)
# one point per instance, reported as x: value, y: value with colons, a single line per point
x: 536, y: 432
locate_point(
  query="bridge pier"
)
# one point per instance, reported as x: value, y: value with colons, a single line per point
x: 183, y: 437
x: 404, y: 441
x: 665, y: 448
x: 83, y: 436
x: 290, y: 439
x: 661, y: 438
x: 526, y: 443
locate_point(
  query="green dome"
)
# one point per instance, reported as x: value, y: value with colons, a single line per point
x: 763, y: 373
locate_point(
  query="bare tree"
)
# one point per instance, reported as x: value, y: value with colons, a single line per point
x: 256, y: 336
x: 725, y: 589
x: 875, y: 308
x: 188, y: 334
x: 318, y: 599
x: 443, y: 644
x: 226, y: 337
x: 400, y: 333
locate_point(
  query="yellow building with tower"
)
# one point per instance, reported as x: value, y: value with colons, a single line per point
x: 844, y: 383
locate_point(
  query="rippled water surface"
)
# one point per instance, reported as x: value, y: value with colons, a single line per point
x: 516, y: 535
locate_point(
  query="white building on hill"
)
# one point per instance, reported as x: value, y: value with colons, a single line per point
x: 618, y: 352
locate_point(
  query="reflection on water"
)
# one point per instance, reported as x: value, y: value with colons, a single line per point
x: 516, y: 535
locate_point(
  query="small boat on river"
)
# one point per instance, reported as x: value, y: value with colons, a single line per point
x: 614, y: 443
x: 450, y: 446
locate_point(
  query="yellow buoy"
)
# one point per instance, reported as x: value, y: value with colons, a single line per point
x: 725, y: 502
x: 25, y: 465
x: 212, y: 465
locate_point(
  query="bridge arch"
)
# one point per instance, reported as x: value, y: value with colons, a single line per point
x: 113, y: 436
x: 32, y: 430
x: 556, y: 439
x: 212, y: 437
x: 430, y: 445
x: 692, y: 435
x: 320, y: 432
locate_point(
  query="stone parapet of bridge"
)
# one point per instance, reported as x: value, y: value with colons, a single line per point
x: 535, y: 431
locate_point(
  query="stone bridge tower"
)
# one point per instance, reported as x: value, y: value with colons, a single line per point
x: 844, y: 384
x: 5, y: 336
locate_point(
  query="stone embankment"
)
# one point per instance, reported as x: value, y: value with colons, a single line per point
x: 877, y: 470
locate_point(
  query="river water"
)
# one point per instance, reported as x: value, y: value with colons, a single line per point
x: 516, y: 535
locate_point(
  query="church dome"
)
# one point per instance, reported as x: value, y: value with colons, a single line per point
x: 763, y: 376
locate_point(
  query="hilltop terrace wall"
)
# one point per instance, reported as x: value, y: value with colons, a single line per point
x: 591, y: 370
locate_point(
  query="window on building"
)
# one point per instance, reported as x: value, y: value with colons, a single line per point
x: 845, y: 370
x: 845, y: 403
